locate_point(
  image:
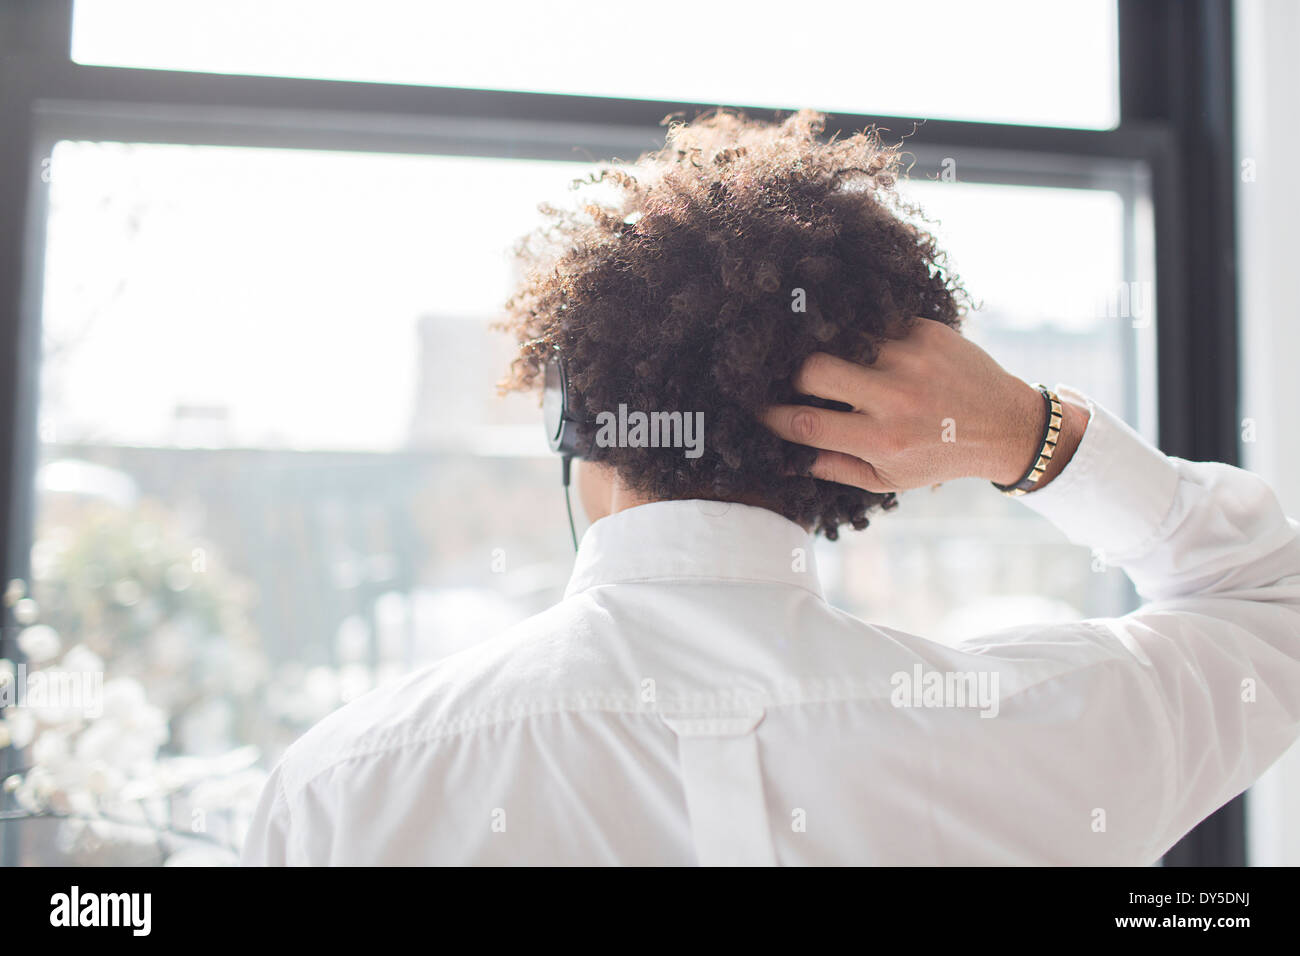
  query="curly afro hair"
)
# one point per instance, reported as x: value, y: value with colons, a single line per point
x: 699, y: 278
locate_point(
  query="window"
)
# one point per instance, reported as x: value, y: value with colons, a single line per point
x: 1051, y: 269
x: 274, y: 472
x: 263, y: 468
x: 1049, y: 64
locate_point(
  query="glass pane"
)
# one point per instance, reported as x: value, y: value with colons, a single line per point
x: 1013, y: 61
x: 274, y: 470
x: 1058, y: 304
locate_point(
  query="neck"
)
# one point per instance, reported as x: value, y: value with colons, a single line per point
x: 622, y: 498
x: 603, y: 493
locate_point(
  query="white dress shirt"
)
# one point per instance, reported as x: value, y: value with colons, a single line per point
x: 694, y: 699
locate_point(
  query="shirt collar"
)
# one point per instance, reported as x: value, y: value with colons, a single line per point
x: 682, y: 540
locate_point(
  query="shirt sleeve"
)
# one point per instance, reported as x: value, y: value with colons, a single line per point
x: 267, y: 842
x: 1200, y: 686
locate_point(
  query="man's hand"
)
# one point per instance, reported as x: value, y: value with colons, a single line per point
x: 933, y: 407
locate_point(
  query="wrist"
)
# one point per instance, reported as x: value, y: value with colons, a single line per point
x: 1019, y: 434
x: 1074, y: 422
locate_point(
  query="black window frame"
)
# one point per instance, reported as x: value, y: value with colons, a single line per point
x: 1176, y: 124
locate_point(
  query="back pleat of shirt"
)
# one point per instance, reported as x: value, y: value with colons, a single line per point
x: 723, y: 783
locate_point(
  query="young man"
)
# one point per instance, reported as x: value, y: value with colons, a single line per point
x: 694, y: 699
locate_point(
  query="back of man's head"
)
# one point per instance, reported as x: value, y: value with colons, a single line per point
x: 698, y: 279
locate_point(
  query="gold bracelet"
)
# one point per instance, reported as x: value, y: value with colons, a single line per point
x: 1046, y: 448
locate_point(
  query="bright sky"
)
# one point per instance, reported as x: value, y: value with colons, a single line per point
x: 1018, y: 61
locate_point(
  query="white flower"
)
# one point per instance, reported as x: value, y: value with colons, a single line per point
x: 120, y: 744
x: 142, y: 788
x: 82, y: 803
x: 21, y: 724
x: 40, y: 643
x: 83, y: 660
x: 34, y: 792
x: 52, y: 748
x: 26, y: 611
x: 103, y: 779
x: 123, y: 696
x: 235, y: 792
x: 130, y: 730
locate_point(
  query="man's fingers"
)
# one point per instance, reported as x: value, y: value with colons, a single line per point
x: 839, y: 437
x: 847, y: 470
x: 829, y: 376
x: 818, y: 427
